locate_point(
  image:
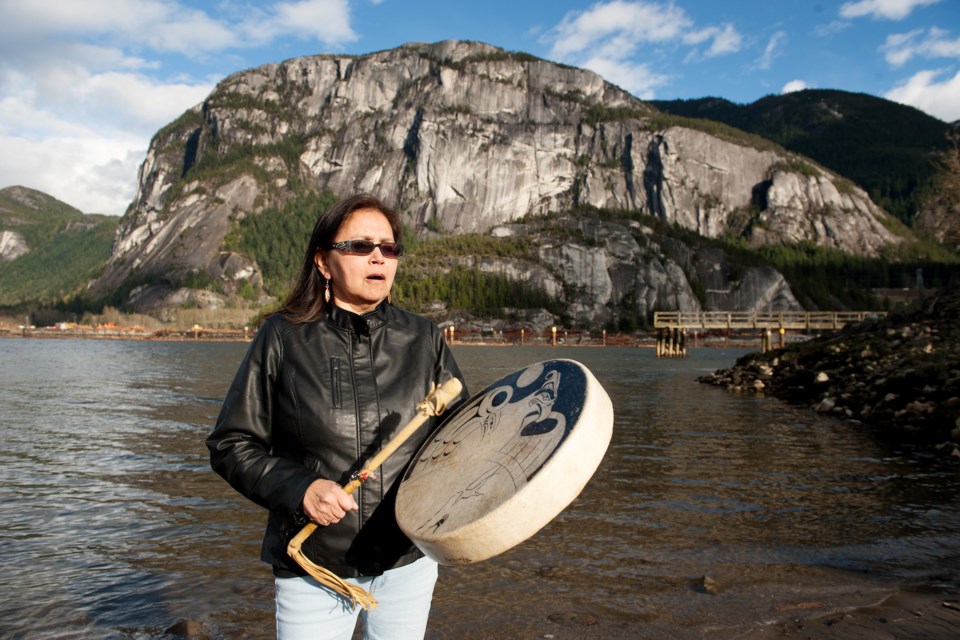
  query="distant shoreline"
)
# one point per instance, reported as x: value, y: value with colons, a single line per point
x: 564, y: 338
x: 130, y: 338
x: 640, y: 342
x: 127, y: 333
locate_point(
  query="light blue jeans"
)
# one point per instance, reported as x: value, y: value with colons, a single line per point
x: 306, y: 610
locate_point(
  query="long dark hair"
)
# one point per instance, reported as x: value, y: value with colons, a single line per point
x: 305, y: 302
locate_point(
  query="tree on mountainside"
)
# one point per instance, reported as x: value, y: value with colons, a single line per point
x: 940, y: 206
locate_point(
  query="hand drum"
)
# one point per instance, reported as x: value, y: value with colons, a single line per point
x: 506, y: 462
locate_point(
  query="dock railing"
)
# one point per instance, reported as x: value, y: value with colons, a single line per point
x: 797, y: 320
x: 672, y: 326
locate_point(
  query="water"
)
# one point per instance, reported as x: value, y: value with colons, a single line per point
x: 710, y: 513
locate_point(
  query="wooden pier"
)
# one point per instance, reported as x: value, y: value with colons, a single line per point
x: 672, y: 326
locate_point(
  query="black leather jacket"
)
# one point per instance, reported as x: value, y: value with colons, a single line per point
x: 317, y: 400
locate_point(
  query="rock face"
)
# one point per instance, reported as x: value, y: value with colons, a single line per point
x: 464, y: 137
x: 801, y: 207
x: 899, y: 374
x: 609, y: 271
x: 12, y: 246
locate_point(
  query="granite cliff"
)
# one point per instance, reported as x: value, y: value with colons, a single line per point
x: 465, y: 138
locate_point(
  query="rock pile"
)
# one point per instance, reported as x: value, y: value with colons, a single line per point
x: 899, y: 374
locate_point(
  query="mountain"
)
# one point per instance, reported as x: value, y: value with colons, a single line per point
x: 466, y: 138
x: 48, y: 249
x: 885, y: 147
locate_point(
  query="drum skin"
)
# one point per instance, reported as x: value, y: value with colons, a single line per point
x: 506, y: 462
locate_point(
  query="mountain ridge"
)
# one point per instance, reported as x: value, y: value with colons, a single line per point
x: 886, y: 147
x: 472, y: 141
x: 463, y: 137
x: 48, y: 249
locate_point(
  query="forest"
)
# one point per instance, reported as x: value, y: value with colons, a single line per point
x: 821, y: 278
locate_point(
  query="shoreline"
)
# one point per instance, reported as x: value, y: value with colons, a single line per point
x: 932, y: 613
x: 121, y: 336
x: 200, y: 334
x: 900, y: 374
x: 647, y: 342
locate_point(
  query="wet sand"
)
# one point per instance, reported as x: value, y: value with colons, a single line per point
x: 905, y: 615
x: 932, y: 614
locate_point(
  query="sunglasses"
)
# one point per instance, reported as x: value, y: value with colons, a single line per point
x: 366, y: 247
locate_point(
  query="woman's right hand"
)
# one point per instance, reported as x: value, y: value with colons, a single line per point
x: 325, y: 502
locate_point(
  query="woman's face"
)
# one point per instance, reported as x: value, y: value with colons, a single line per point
x: 359, y: 283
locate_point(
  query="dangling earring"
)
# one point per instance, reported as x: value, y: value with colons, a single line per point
x: 326, y: 292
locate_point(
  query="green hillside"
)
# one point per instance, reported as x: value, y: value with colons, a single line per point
x: 885, y: 147
x: 821, y: 278
x: 66, y: 247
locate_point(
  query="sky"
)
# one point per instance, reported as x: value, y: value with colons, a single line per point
x: 85, y: 85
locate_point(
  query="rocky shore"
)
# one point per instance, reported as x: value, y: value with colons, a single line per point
x: 898, y: 374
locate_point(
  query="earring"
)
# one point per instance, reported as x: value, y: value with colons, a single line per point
x: 326, y: 292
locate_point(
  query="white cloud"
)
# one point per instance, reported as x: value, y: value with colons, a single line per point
x: 73, y: 133
x: 161, y: 25
x: 606, y: 37
x: 835, y: 26
x: 638, y: 79
x: 723, y: 40
x: 84, y: 85
x: 92, y: 172
x: 727, y: 40
x: 189, y: 35
x: 80, y: 136
x: 882, y: 9
x: 793, y: 85
x: 632, y: 22
x: 172, y: 27
x: 899, y: 48
x: 772, y: 50
x: 939, y: 99
x: 92, y: 16
x: 142, y: 102
x: 325, y: 20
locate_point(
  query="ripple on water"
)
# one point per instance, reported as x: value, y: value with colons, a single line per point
x: 111, y: 523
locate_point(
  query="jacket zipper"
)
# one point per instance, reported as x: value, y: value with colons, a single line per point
x: 335, y: 381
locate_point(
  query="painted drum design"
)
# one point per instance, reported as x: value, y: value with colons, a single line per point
x: 506, y: 462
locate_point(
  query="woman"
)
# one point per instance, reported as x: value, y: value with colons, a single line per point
x: 328, y: 379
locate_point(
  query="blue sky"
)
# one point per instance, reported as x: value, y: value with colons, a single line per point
x: 85, y: 85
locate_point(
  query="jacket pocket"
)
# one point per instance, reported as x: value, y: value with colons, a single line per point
x: 335, y: 381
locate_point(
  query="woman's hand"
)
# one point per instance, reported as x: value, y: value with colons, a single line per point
x: 325, y: 502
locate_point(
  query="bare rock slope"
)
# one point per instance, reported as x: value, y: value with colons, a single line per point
x: 463, y: 137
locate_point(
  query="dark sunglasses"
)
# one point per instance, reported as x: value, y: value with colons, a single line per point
x: 366, y: 247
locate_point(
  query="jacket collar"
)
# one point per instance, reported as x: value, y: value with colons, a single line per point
x: 362, y: 324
